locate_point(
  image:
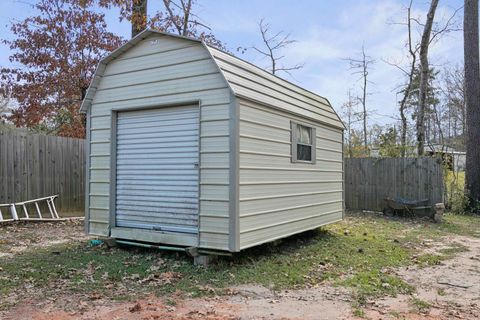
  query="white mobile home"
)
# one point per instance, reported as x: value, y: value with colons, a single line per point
x: 189, y: 146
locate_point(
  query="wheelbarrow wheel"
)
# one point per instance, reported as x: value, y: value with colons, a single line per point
x: 388, y: 211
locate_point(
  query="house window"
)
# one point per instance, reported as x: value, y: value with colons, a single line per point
x: 303, y: 143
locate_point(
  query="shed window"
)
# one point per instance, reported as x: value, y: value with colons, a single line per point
x: 303, y: 143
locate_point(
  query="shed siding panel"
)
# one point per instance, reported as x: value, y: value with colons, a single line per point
x: 278, y: 197
x: 157, y: 60
x: 153, y: 44
x: 289, y: 227
x: 161, y: 70
x: 209, y: 97
x: 194, y: 83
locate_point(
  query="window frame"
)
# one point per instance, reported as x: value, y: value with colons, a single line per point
x: 294, y: 142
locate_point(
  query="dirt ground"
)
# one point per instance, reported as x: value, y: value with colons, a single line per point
x: 452, y: 289
x: 18, y: 237
x: 448, y: 290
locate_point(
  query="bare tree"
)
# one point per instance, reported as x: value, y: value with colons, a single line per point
x: 409, y: 72
x: 361, y: 66
x: 350, y: 117
x: 472, y: 100
x: 453, y: 91
x: 424, y: 76
x: 274, y: 43
x: 4, y: 105
x: 5, y: 100
x: 180, y: 17
x: 177, y: 16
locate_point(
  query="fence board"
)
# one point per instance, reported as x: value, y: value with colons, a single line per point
x: 34, y: 166
x: 369, y: 180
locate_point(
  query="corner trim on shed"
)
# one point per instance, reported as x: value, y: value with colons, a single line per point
x: 87, y: 173
x: 234, y: 172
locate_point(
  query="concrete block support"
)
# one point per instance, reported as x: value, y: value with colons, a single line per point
x: 204, y: 260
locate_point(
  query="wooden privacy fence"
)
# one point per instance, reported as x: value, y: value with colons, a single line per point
x: 34, y: 166
x: 369, y: 180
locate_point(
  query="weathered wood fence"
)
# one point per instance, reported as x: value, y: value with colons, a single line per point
x: 35, y: 165
x: 369, y: 180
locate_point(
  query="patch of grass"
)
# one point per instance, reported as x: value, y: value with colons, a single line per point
x: 372, y: 284
x: 359, y: 312
x: 420, y: 305
x: 432, y: 259
x: 464, y: 225
x: 453, y: 250
x: 441, y: 292
x: 429, y: 259
x: 170, y: 302
x: 358, y: 253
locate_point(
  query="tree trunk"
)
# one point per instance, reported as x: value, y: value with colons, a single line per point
x: 139, y: 16
x: 403, y: 103
x: 187, y: 8
x: 364, y: 101
x: 403, y: 135
x: 472, y: 101
x: 424, y: 44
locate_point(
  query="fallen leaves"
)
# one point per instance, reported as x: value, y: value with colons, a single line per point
x: 135, y: 308
x: 156, y: 279
x: 95, y: 296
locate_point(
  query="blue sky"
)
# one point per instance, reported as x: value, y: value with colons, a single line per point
x: 327, y: 32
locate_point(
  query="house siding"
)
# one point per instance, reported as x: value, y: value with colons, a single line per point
x: 278, y: 198
x: 162, y: 70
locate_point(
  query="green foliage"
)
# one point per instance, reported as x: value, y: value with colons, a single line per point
x: 371, y: 284
x: 355, y: 148
x: 455, y: 184
x: 420, y: 304
x: 432, y: 91
x: 432, y: 259
x: 458, y: 202
x: 388, y: 144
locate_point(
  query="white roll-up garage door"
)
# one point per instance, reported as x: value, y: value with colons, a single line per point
x: 157, y: 169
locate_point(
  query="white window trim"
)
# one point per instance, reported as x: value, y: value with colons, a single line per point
x: 294, y: 142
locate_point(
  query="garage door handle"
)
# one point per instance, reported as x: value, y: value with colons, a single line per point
x: 195, y: 165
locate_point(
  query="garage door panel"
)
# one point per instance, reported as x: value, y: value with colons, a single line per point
x: 157, y: 169
x: 152, y: 124
x: 157, y: 152
x: 164, y: 221
x: 149, y: 210
x: 131, y: 139
x: 149, y: 184
x: 152, y: 178
x: 159, y: 136
x: 157, y: 147
x: 179, y: 199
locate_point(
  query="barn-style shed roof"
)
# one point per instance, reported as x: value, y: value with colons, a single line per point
x: 245, y: 81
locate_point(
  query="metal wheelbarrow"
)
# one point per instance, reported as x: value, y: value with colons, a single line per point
x: 403, y: 206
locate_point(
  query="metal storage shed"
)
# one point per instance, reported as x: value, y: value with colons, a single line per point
x: 189, y: 146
